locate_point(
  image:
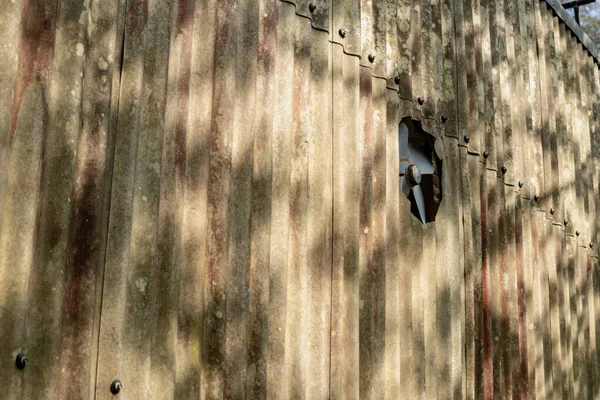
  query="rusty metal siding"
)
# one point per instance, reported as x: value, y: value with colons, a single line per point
x: 201, y: 199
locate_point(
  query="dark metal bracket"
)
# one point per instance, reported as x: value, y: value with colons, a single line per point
x: 576, y: 4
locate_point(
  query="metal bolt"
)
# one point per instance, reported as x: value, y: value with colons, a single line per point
x: 536, y: 198
x: 397, y: 80
x: 566, y: 222
x: 521, y: 184
x: 444, y: 119
x: 503, y: 169
x: 577, y: 233
x: 342, y: 33
x: 486, y: 154
x: 312, y: 7
x: 552, y: 211
x: 467, y: 139
x: 371, y: 58
x: 413, y: 175
x: 21, y: 361
x: 421, y: 101
x: 591, y: 245
x: 116, y: 387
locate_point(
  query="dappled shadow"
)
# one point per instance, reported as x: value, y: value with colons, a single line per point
x: 211, y: 224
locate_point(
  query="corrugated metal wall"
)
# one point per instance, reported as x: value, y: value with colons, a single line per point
x: 200, y: 198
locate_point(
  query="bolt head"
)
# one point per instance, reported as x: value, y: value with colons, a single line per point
x: 486, y: 154
x: 552, y: 211
x: 421, y: 101
x: 444, y: 118
x: 520, y: 184
x: 116, y: 387
x: 577, y: 233
x: 503, y: 169
x: 397, y: 80
x: 342, y: 33
x: 312, y: 7
x: 413, y: 175
x: 536, y: 198
x: 371, y: 58
x: 21, y: 361
x: 566, y: 222
x: 591, y: 245
x: 467, y: 139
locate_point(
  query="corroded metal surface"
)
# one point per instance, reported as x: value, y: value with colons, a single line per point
x: 201, y: 199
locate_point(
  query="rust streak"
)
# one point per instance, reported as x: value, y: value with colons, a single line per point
x: 184, y: 26
x: 487, y: 316
x: 35, y: 52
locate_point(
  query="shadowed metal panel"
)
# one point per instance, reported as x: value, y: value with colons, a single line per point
x: 10, y: 22
x: 258, y: 243
x: 398, y: 317
x: 405, y: 28
x: 449, y: 274
x: 346, y: 224
x: 56, y: 150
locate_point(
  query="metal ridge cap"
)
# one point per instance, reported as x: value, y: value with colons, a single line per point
x: 568, y: 20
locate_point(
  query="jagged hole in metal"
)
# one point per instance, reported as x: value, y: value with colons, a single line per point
x: 416, y: 148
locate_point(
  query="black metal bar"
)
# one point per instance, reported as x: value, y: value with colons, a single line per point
x: 577, y: 19
x: 577, y: 3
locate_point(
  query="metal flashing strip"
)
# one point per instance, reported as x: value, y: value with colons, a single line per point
x: 583, y: 38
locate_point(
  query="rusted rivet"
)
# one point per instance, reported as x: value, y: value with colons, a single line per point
x: 467, y: 139
x: 116, y: 387
x: 21, y: 361
x: 486, y: 154
x: 536, y: 198
x: 444, y: 118
x: 342, y: 33
x: 397, y: 80
x: 312, y: 7
x: 552, y: 211
x: 577, y: 233
x: 503, y: 169
x: 421, y: 101
x: 520, y: 184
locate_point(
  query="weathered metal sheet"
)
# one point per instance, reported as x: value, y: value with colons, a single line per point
x: 346, y: 25
x: 474, y: 272
x: 319, y: 220
x: 528, y: 287
x: 491, y: 285
x: 416, y: 56
x: 10, y: 22
x: 471, y: 228
x: 491, y: 126
x: 449, y: 276
x: 214, y: 211
x: 521, y: 363
x: 398, y: 312
x: 280, y: 209
x: 345, y: 280
x: 404, y: 39
x: 551, y: 93
x: 512, y: 293
x: 21, y: 149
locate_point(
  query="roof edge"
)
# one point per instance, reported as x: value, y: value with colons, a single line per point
x: 575, y: 28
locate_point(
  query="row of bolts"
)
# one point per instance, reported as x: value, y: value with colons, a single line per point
x: 421, y: 101
x: 116, y: 386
